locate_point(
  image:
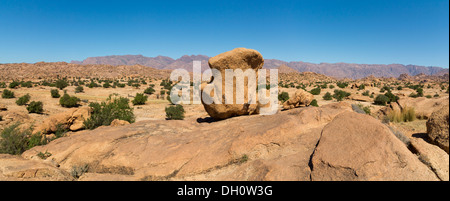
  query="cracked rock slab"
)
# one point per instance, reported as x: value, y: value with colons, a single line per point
x: 357, y: 147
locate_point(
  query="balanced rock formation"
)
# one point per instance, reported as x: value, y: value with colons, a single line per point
x: 239, y: 58
x: 438, y: 126
x: 301, y: 97
x: 72, y: 119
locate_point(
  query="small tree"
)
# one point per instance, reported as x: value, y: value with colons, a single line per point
x: 105, y: 112
x: 315, y: 91
x: 175, y: 112
x: 23, y: 100
x: 35, y: 107
x: 69, y: 101
x: 139, y: 99
x: 79, y: 89
x: 55, y: 93
x: 61, y: 84
x: 7, y: 94
x: 339, y: 95
x: 381, y: 100
x: 327, y: 96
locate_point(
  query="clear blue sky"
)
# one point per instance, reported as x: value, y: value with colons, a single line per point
x: 354, y: 31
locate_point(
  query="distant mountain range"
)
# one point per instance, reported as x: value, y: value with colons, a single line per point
x: 337, y: 70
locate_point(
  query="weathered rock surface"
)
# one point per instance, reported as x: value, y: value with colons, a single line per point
x: 357, y: 147
x: 15, y: 168
x: 438, y: 127
x: 72, y: 119
x: 301, y: 97
x: 432, y: 156
x: 423, y: 106
x: 298, y: 144
x: 239, y: 58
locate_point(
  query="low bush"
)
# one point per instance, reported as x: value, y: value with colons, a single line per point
x: 339, y: 95
x: 35, y: 107
x: 139, y: 99
x: 407, y: 114
x: 381, y: 100
x: 79, y: 89
x: 14, y: 84
x: 23, y: 100
x: 327, y: 96
x: 314, y: 103
x: 175, y: 112
x: 15, y: 140
x: 315, y: 91
x: 55, y: 93
x: 61, y: 84
x: 69, y: 101
x: 284, y: 96
x: 149, y: 91
x: 7, y: 94
x: 105, y: 112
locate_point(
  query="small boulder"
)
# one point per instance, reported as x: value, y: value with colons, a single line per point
x: 438, y: 126
x: 72, y: 119
x: 301, y: 97
x: 117, y: 122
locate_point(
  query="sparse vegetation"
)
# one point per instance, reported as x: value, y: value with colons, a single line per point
x: 284, y: 96
x: 175, y: 112
x: 69, y: 101
x: 15, y: 140
x: 381, y: 100
x: 314, y: 103
x: 79, y: 89
x: 55, y: 93
x: 339, y: 95
x: 23, y: 100
x: 327, y: 96
x: 61, y: 84
x: 35, y: 107
x: 149, y: 91
x: 407, y: 114
x: 139, y: 99
x: 7, y: 94
x: 105, y: 112
x: 315, y: 91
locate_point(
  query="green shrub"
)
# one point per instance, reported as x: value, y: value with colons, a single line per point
x: 27, y: 84
x: 105, y: 112
x: 436, y: 95
x: 55, y: 93
x: 175, y: 112
x: 106, y: 85
x: 381, y: 100
x: 428, y: 96
x: 23, y: 100
x: 284, y: 96
x: 314, y: 103
x: 342, y: 84
x: 362, y: 87
x: 366, y: 93
x: 79, y: 89
x: 61, y: 84
x: 339, y: 95
x: 331, y: 86
x: 14, y: 84
x: 35, y: 107
x: 399, y: 88
x: 69, y: 101
x: 327, y: 96
x: 92, y: 84
x: 139, y: 99
x: 7, y: 94
x: 392, y: 97
x: 2, y: 85
x: 15, y: 140
x: 149, y: 91
x: 315, y: 91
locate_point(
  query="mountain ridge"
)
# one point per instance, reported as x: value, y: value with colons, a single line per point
x: 338, y: 70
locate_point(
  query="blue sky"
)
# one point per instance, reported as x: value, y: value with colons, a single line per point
x: 353, y: 31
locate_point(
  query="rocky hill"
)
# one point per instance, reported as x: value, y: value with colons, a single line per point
x: 338, y: 70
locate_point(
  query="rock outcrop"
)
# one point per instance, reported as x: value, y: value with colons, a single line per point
x: 314, y: 143
x: 355, y: 147
x: 438, y: 126
x: 301, y: 97
x: 239, y: 58
x: 72, y: 119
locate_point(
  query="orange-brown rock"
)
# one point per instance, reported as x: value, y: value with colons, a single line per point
x: 239, y: 58
x: 72, y: 119
x: 357, y: 147
x: 301, y: 97
x: 438, y: 126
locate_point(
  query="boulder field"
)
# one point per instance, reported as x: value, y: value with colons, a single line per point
x: 302, y: 144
